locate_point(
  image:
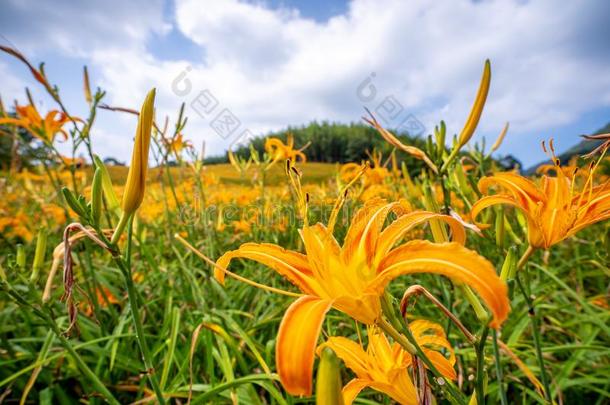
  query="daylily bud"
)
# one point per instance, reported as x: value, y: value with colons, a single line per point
x: 96, y: 197
x: 136, y: 177
x: 73, y: 202
x: 477, y: 108
x: 87, y: 87
x: 41, y: 247
x: 510, y: 265
x: 500, y: 228
x: 439, y: 233
x: 441, y: 135
x: 20, y: 256
x: 111, y: 199
x: 328, y: 381
x: 500, y: 138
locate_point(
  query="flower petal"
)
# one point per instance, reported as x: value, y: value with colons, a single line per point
x: 366, y: 224
x: 397, y: 229
x: 296, y: 343
x: 353, y: 388
x: 292, y: 265
x: 350, y: 352
x: 442, y: 364
x: 451, y: 260
x: 431, y: 337
x: 524, y: 190
x: 491, y: 200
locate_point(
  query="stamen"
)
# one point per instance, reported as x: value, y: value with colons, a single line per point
x: 231, y: 274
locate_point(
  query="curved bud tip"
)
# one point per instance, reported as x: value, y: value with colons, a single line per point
x: 136, y: 178
x: 477, y: 107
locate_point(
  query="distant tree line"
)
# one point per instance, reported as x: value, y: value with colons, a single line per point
x: 332, y: 142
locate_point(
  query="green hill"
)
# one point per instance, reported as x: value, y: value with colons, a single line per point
x: 581, y: 148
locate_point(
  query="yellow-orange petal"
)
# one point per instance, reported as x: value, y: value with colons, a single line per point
x: 397, y: 229
x: 442, y: 364
x: 353, y: 388
x: 292, y: 265
x: 451, y: 260
x: 296, y: 343
x: 431, y: 338
x: 371, y: 216
x: 491, y: 200
x: 350, y: 352
x: 524, y: 190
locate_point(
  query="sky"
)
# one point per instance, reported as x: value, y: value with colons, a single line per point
x: 244, y: 68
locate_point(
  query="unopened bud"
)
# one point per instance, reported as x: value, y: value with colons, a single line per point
x: 86, y: 86
x: 20, y: 256
x: 96, y: 197
x: 477, y: 107
x: 111, y: 199
x: 509, y: 267
x: 328, y: 381
x: 136, y: 177
x: 39, y: 255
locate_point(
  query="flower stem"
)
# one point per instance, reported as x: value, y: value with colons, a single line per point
x: 119, y: 228
x: 125, y: 267
x: 535, y: 320
x: 480, y: 352
x: 526, y: 255
x: 498, y: 364
x: 406, y: 339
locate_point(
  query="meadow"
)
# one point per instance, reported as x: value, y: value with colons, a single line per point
x: 274, y: 280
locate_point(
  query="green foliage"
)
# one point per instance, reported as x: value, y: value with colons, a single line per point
x: 333, y: 142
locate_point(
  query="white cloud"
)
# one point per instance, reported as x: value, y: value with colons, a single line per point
x: 273, y: 68
x: 75, y: 29
x: 11, y: 85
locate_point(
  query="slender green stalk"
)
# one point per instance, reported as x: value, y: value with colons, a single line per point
x: 535, y: 320
x: 480, y: 381
x: 135, y: 314
x: 498, y: 364
x: 403, y: 336
x: 526, y: 255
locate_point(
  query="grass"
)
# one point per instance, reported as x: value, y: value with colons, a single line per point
x: 313, y: 173
x: 223, y: 338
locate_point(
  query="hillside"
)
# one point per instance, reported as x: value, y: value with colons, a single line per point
x: 581, y: 148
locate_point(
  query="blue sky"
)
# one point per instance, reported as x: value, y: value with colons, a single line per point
x: 270, y: 64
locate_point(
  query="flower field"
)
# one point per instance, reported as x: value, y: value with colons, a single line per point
x: 271, y: 279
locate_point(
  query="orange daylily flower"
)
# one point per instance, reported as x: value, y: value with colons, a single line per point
x: 45, y: 128
x: 555, y: 209
x: 352, y: 277
x: 374, y: 175
x: 279, y: 150
x: 68, y: 161
x: 105, y: 298
x: 384, y: 366
x: 177, y: 144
